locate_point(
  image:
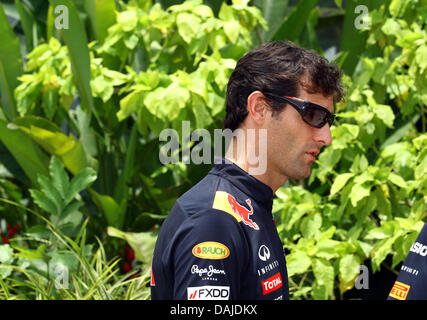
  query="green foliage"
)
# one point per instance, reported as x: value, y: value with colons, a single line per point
x: 94, y: 98
x: 365, y: 199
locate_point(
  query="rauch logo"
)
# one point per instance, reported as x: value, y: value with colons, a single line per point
x: 210, y: 250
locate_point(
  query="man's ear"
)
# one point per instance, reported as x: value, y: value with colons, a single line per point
x: 257, y: 108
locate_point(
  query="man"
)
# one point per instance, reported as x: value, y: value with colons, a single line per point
x: 220, y: 240
x: 411, y: 283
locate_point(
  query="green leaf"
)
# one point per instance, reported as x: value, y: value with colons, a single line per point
x: 48, y: 189
x: 101, y: 16
x: 59, y: 176
x: 273, y: 12
x: 295, y: 22
x: 358, y: 192
x: 327, y: 249
x: 324, y: 274
x: 397, y: 180
x: 232, y: 29
x: 26, y: 152
x: 10, y: 66
x: 109, y: 208
x: 352, y: 40
x: 76, y: 41
x: 390, y: 27
x: 142, y: 243
x: 71, y: 208
x: 80, y: 182
x: 31, y: 254
x: 385, y: 113
x: 50, y: 137
x: 297, y: 262
x: 349, y: 268
x: 188, y: 26
x: 43, y: 201
x: 6, y: 258
x: 6, y: 254
x: 340, y: 182
x: 63, y: 258
x: 310, y: 225
x: 27, y: 22
x: 380, y: 251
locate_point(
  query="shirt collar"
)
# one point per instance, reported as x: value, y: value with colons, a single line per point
x: 242, y: 180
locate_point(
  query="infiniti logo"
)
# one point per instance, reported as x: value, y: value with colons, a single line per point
x: 263, y: 253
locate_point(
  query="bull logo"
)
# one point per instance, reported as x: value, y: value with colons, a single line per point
x: 242, y: 212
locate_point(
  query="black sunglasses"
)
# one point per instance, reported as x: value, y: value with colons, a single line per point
x: 313, y: 114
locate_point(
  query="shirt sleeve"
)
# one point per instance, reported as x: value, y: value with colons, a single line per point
x: 209, y: 256
x: 411, y: 283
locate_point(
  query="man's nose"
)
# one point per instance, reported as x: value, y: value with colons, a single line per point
x: 323, y: 135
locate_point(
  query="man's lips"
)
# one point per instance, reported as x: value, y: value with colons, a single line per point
x: 313, y: 154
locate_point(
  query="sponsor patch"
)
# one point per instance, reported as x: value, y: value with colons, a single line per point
x: 271, y: 284
x: 227, y: 203
x: 208, y: 293
x: 208, y: 273
x: 399, y: 291
x: 210, y: 250
x: 419, y: 248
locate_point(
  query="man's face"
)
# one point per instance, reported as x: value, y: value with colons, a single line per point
x: 292, y: 143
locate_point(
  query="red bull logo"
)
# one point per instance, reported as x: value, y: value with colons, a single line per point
x: 227, y: 203
x: 242, y: 212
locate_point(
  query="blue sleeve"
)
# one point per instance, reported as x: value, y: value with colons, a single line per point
x: 209, y: 256
x: 411, y: 283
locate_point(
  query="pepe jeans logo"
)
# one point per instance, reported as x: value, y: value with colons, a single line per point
x: 208, y: 273
x: 210, y: 250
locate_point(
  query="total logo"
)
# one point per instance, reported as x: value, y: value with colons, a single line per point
x: 208, y: 293
x: 271, y: 284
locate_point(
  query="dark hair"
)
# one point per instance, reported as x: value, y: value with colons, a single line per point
x: 280, y: 68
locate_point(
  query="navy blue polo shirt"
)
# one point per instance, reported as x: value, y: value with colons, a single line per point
x: 411, y: 283
x: 220, y: 242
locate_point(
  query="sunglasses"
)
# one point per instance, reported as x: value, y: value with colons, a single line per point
x: 312, y: 114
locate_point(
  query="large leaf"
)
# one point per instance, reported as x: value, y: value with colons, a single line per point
x: 349, y: 270
x: 6, y: 258
x: 76, y: 41
x: 10, y: 66
x: 142, y: 243
x: 101, y: 15
x: 26, y: 152
x: 109, y: 208
x: 353, y: 41
x: 51, y: 138
x: 273, y: 12
x: 295, y: 22
x: 121, y: 190
x: 27, y: 22
x: 340, y: 182
x: 80, y: 181
x: 324, y: 274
